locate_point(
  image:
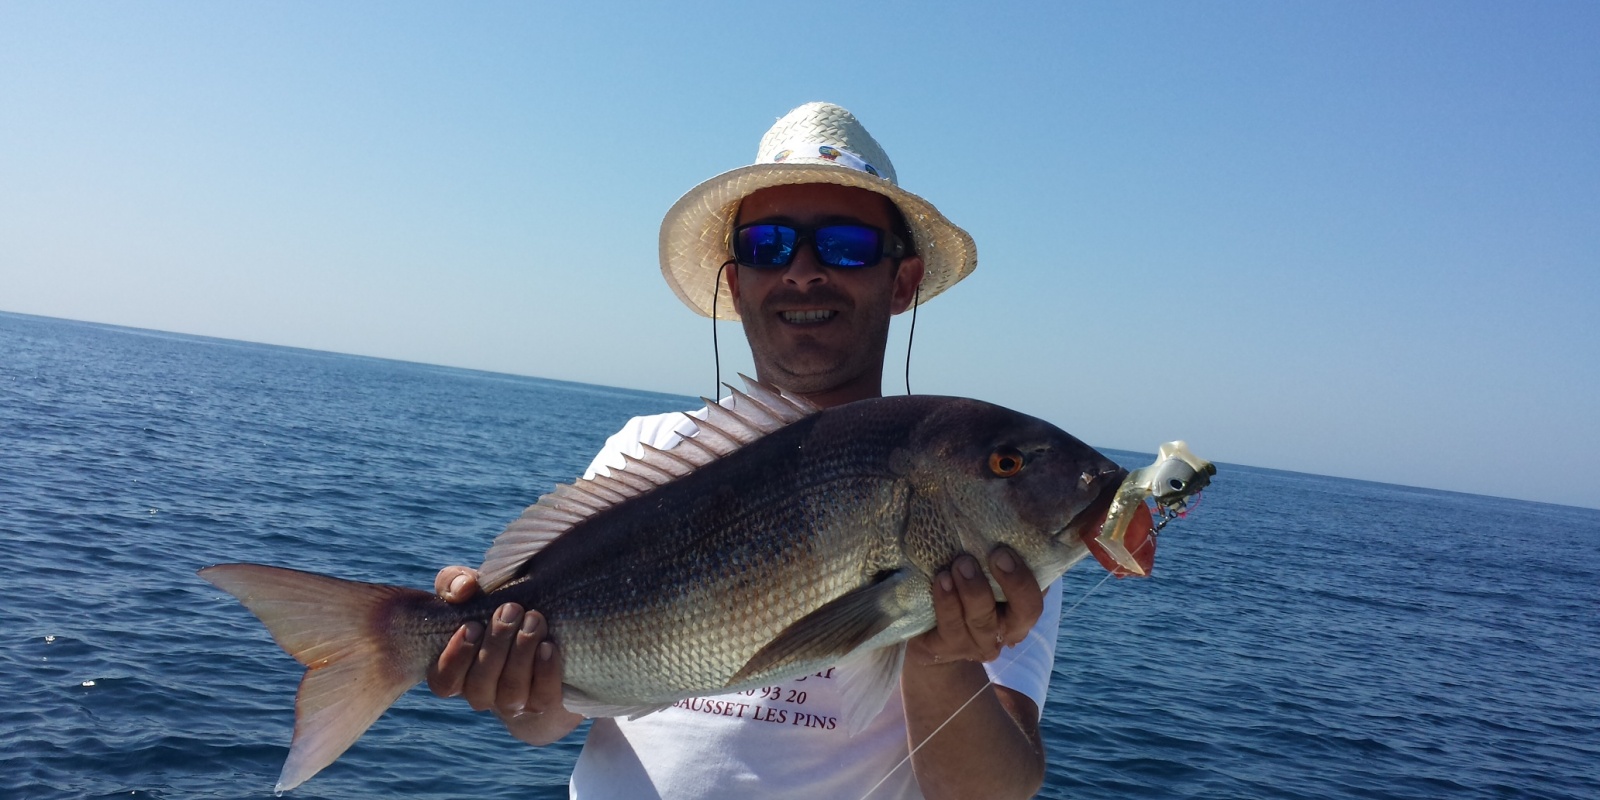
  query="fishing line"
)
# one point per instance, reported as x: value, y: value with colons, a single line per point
x: 1030, y: 642
x: 716, y: 352
x: 916, y: 300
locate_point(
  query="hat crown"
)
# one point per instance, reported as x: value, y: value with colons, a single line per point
x: 797, y: 136
x: 815, y: 143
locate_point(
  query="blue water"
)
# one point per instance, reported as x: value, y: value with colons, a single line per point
x: 1303, y: 637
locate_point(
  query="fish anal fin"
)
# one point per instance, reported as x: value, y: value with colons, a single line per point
x: 832, y: 631
x: 578, y: 702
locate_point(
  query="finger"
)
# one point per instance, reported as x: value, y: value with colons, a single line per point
x: 484, y: 677
x: 1024, y: 598
x: 978, y: 608
x: 948, y: 641
x: 547, y: 676
x: 448, y: 675
x: 516, y: 680
x: 456, y: 584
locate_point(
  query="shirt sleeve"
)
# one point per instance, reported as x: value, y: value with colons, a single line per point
x: 657, y: 430
x: 1026, y: 667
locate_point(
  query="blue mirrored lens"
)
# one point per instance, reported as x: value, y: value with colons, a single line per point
x: 769, y: 245
x: 765, y: 245
x: 848, y: 246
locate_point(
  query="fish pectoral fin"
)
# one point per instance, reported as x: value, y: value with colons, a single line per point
x: 867, y: 681
x: 832, y: 631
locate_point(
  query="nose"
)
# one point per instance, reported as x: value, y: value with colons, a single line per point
x: 805, y: 270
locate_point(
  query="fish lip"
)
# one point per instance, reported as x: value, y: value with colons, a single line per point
x: 1095, y: 513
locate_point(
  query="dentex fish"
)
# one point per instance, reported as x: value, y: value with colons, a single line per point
x: 777, y: 540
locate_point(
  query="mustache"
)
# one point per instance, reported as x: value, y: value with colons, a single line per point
x: 823, y: 296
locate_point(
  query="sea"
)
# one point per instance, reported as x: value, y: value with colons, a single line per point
x: 1302, y: 636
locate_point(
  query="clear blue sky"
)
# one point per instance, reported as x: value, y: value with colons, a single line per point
x: 1356, y: 238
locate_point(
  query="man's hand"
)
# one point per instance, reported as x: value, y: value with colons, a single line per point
x: 513, y: 670
x: 988, y: 747
x: 971, y: 625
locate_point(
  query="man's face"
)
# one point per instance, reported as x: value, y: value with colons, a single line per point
x: 815, y: 329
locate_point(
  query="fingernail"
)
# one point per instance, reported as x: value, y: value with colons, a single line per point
x: 1005, y: 562
x: 474, y: 632
x: 508, y: 614
x: 546, y: 650
x: 530, y: 624
x: 457, y: 583
x: 945, y: 583
x: 968, y: 570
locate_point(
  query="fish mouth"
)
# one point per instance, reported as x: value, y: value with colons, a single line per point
x: 1139, y: 539
x: 1086, y: 523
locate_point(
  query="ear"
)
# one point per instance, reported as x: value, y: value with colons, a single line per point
x: 906, y: 280
x: 731, y: 273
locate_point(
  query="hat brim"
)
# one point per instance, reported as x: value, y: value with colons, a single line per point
x: 695, y: 231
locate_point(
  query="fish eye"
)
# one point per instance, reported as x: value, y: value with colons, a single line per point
x: 1005, y: 462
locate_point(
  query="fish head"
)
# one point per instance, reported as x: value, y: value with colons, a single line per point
x: 1009, y: 478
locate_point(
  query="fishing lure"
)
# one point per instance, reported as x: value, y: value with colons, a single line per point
x: 1173, y: 482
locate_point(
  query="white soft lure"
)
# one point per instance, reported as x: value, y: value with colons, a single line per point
x: 1172, y: 482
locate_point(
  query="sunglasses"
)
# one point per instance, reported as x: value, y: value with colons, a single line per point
x: 769, y: 245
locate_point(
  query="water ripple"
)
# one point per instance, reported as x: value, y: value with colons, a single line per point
x: 1377, y: 642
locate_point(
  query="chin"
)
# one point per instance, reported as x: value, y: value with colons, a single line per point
x: 808, y: 378
x: 803, y: 380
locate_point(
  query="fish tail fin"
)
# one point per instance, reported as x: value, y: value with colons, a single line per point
x: 358, y: 659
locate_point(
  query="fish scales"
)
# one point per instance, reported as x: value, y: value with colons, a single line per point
x: 801, y: 509
x: 789, y: 549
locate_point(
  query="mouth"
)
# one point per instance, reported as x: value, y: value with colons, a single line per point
x: 1088, y: 521
x: 811, y: 316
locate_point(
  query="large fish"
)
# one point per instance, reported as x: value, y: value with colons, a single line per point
x: 776, y: 541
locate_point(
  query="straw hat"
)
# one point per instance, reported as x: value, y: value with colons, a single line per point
x: 815, y: 143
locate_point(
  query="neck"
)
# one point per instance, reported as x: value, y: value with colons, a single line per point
x: 844, y: 394
x: 859, y: 388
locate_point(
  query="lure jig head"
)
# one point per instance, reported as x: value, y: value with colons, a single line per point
x: 1172, y: 482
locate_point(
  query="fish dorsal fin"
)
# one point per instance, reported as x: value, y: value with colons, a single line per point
x: 757, y: 411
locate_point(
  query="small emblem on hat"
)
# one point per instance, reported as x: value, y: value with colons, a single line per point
x: 827, y: 152
x: 781, y: 156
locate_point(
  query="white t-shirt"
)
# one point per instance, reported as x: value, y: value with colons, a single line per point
x: 784, y: 740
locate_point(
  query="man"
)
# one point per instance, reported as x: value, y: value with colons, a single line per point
x: 814, y: 248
